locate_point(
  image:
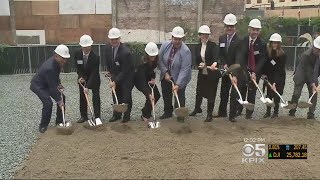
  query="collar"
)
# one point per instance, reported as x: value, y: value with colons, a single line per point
x: 231, y: 35
x: 254, y: 40
x: 86, y: 54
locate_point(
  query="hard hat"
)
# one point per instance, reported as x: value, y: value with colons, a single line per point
x: 316, y: 42
x: 63, y: 51
x: 230, y: 19
x: 204, y: 29
x: 114, y: 33
x: 151, y: 49
x: 85, y: 41
x: 255, y: 23
x: 177, y: 32
x: 275, y: 37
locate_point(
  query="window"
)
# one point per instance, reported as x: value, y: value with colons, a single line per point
x: 294, y: 0
x: 248, y: 1
x: 282, y: 0
x: 259, y: 1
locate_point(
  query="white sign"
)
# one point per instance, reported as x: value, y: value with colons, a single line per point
x: 4, y: 8
x: 103, y: 7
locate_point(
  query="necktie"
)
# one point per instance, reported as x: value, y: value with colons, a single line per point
x: 85, y: 59
x: 112, y: 54
x: 171, y: 56
x: 252, y: 63
x: 228, y: 42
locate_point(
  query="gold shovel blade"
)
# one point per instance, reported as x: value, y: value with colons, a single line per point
x: 303, y: 104
x: 181, y: 112
x: 248, y: 106
x: 120, y: 107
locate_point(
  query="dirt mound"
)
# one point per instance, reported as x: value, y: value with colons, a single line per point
x: 121, y: 128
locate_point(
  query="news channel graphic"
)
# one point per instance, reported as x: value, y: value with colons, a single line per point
x: 254, y: 151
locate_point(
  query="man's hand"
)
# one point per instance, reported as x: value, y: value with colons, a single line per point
x: 214, y: 66
x: 167, y: 76
x: 225, y: 66
x: 151, y: 97
x: 152, y: 82
x: 264, y: 76
x: 86, y: 90
x: 61, y: 104
x: 81, y: 80
x: 201, y: 65
x: 175, y: 88
x: 274, y: 87
x: 314, y: 87
x: 60, y: 88
x: 253, y: 76
x: 234, y: 80
x: 112, y: 84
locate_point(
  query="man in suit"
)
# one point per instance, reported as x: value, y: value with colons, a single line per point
x: 307, y: 72
x: 87, y: 63
x: 251, y: 56
x: 228, y: 45
x: 45, y: 85
x: 174, y: 64
x: 120, y: 67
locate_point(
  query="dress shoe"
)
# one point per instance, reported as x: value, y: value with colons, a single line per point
x: 232, y: 119
x: 292, y: 114
x: 220, y: 116
x: 43, y: 129
x: 114, y: 118
x: 82, y: 120
x: 165, y: 116
x: 310, y: 116
x: 194, y: 112
x: 248, y: 116
x: 209, y: 118
x: 180, y: 119
x: 274, y: 115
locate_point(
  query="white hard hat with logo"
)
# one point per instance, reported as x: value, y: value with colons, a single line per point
x: 230, y: 19
x: 63, y: 51
x: 316, y: 42
x: 255, y: 23
x: 177, y: 32
x: 275, y: 37
x: 114, y: 33
x: 204, y: 29
x: 151, y: 49
x: 85, y: 41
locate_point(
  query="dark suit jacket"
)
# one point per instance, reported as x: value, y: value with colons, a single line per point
x: 242, y: 55
x: 275, y: 68
x: 211, y: 56
x: 145, y: 72
x: 228, y: 56
x: 305, y: 69
x: 122, y: 68
x: 91, y: 72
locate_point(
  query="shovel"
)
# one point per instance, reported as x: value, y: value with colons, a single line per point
x: 64, y: 128
x: 266, y: 101
x: 303, y: 104
x: 154, y: 123
x: 283, y: 104
x: 245, y: 103
x: 229, y: 70
x: 180, y: 111
x: 92, y: 122
x: 117, y: 107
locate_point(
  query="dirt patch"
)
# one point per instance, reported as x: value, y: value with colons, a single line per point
x: 121, y: 128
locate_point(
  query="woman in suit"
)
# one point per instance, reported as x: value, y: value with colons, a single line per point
x: 275, y: 70
x: 145, y: 76
x: 208, y: 78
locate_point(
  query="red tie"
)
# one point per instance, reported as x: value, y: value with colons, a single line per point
x: 252, y: 63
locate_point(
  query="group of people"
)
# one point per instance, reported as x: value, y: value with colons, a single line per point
x: 174, y: 60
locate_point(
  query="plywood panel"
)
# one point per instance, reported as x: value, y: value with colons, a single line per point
x: 45, y: 8
x: 71, y: 36
x: 5, y: 37
x: 51, y: 22
x: 4, y: 8
x: 23, y: 8
x: 100, y: 35
x: 69, y: 21
x: 51, y: 37
x: 77, y: 6
x: 103, y: 7
x: 29, y: 22
x: 5, y: 23
x: 95, y: 21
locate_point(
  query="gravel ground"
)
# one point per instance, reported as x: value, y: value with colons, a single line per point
x: 21, y: 109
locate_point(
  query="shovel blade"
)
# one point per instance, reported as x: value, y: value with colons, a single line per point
x: 181, y: 112
x: 65, y: 129
x: 151, y: 125
x: 234, y: 67
x: 287, y: 105
x: 120, y: 107
x: 248, y: 106
x: 303, y: 104
x: 263, y: 100
x: 98, y: 121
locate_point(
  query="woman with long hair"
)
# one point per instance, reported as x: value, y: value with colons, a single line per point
x: 275, y: 70
x: 145, y: 78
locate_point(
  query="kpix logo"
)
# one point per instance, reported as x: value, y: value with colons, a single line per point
x: 253, y: 153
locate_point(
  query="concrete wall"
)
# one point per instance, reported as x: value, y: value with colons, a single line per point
x: 286, y: 3
x: 304, y: 13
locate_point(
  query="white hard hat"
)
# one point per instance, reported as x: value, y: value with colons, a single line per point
x: 230, y: 19
x: 255, y: 23
x: 151, y: 49
x: 177, y: 32
x: 63, y: 51
x: 114, y: 33
x: 85, y: 41
x: 275, y: 37
x: 316, y: 42
x: 204, y: 29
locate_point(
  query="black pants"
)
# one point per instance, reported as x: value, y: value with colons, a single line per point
x: 124, y: 95
x: 96, y: 102
x: 146, y: 110
x: 166, y: 87
x: 224, y: 95
x: 47, y: 105
x: 276, y: 99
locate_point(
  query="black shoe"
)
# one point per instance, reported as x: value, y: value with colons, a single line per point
x: 165, y: 116
x: 114, y: 118
x: 248, y: 116
x: 268, y: 114
x: 209, y: 118
x: 194, y: 112
x: 274, y: 115
x: 180, y: 119
x: 220, y: 115
x: 232, y: 119
x: 292, y: 114
x: 82, y: 120
x: 43, y: 129
x: 310, y: 116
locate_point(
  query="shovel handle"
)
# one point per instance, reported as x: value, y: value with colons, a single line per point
x: 113, y: 90
x: 176, y: 94
x: 236, y: 87
x: 309, y: 101
x: 255, y: 83
x: 274, y: 90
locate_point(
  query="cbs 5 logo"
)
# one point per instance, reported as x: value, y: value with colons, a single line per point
x: 259, y: 150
